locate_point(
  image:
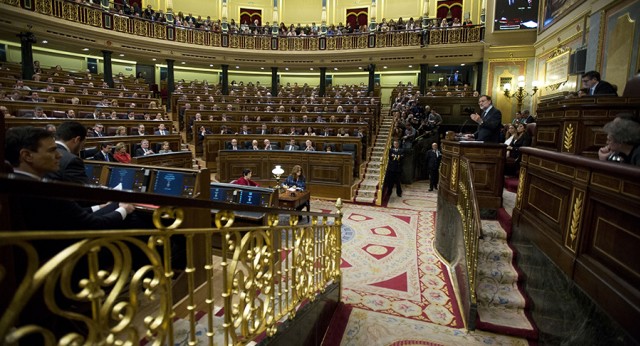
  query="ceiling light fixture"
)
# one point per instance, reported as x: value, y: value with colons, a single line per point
x: 45, y: 41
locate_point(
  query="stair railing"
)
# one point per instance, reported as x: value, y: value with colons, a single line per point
x: 383, y: 165
x: 467, y: 205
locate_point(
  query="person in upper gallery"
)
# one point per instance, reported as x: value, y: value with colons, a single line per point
x: 121, y: 154
x: 597, y: 86
x: 623, y: 141
x: 434, y: 156
x: 245, y: 179
x: 105, y: 153
x: 489, y: 122
x: 71, y: 136
x: 144, y: 149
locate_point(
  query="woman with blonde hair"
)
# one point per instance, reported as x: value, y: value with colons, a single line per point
x: 121, y: 131
x: 121, y: 154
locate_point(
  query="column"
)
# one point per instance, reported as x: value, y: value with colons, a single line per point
x: 323, y: 19
x: 422, y: 82
x: 372, y: 21
x: 323, y: 81
x: 225, y: 79
x: 224, y: 24
x: 27, y: 39
x: 170, y: 82
x: 372, y: 72
x: 106, y: 68
x: 274, y: 81
x: 275, y: 26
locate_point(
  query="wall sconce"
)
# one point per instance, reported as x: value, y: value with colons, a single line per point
x: 277, y: 174
x: 520, y: 93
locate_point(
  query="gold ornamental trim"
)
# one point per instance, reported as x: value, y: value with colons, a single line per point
x: 575, y: 217
x: 569, y: 133
x: 520, y: 192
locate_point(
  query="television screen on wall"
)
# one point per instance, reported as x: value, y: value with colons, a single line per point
x: 516, y: 15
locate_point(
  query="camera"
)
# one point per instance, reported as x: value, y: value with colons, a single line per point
x: 469, y: 110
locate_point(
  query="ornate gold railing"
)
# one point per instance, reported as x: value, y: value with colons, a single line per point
x: 109, y: 20
x: 115, y: 286
x: 467, y: 206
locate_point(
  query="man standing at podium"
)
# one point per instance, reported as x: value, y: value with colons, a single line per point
x: 489, y: 121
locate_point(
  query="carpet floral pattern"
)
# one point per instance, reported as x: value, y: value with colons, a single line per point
x: 389, y: 265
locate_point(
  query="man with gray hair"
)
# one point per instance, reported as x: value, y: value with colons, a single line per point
x: 623, y: 142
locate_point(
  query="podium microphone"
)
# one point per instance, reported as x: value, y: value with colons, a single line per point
x: 462, y: 127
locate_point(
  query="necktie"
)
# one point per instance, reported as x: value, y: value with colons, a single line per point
x: 106, y: 156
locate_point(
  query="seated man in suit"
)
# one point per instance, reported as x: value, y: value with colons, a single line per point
x: 267, y: 145
x: 264, y: 130
x: 105, y: 153
x: 233, y: 145
x: 141, y: 130
x: 162, y: 130
x: 33, y: 154
x: 144, y: 149
x: 71, y: 136
x: 292, y: 145
x: 97, y: 131
x: 596, y: 86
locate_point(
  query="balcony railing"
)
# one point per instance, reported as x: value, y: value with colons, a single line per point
x: 109, y: 20
x: 116, y: 286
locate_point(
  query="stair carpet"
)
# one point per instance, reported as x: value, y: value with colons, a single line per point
x: 368, y: 186
x: 502, y: 307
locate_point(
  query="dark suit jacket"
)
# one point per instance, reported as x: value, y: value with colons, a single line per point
x: 100, y: 156
x: 489, y: 131
x: 433, y: 160
x: 140, y: 152
x: 288, y: 147
x: 523, y: 141
x: 43, y: 213
x: 395, y: 160
x: 71, y: 168
x: 604, y: 88
x: 166, y: 132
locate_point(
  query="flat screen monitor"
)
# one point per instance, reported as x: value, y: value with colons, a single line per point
x: 128, y: 178
x: 250, y: 197
x: 171, y: 183
x: 94, y: 172
x: 516, y: 14
x: 221, y: 194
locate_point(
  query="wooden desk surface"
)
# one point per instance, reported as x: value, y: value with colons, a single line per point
x: 293, y: 200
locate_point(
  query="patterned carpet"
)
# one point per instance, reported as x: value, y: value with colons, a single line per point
x: 398, y: 289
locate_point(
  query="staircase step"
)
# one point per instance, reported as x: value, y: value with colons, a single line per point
x: 492, y: 293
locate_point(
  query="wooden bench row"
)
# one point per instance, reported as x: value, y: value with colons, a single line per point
x: 54, y: 110
x: 213, y: 144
